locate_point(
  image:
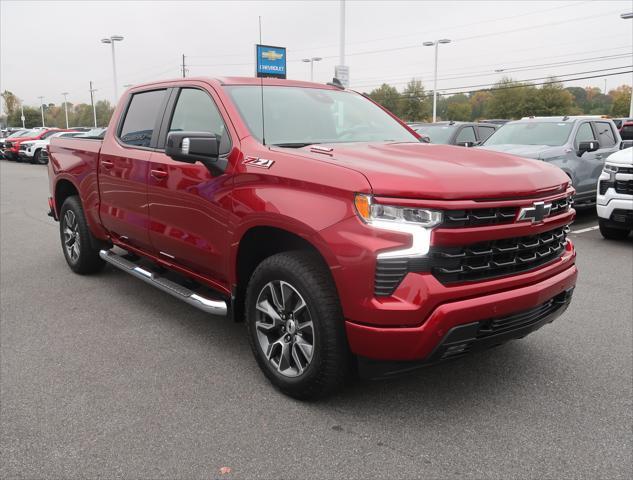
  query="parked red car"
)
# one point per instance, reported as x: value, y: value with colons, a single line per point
x: 12, y: 147
x: 321, y: 221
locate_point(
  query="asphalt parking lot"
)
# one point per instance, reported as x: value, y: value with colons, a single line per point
x: 106, y: 376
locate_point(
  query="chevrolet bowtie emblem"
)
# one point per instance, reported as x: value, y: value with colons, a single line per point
x: 536, y: 213
x: 272, y: 55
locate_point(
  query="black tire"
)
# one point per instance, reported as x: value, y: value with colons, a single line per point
x: 82, y: 256
x: 37, y: 158
x: 611, y: 233
x: 330, y: 361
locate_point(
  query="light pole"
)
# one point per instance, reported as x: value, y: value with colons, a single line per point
x: 629, y: 16
x: 311, y: 62
x: 42, y: 109
x: 111, y: 40
x: 66, y: 107
x: 22, y: 113
x: 435, y: 44
x: 92, y: 100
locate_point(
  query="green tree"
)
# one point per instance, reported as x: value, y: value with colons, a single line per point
x: 510, y: 99
x: 458, y: 108
x: 414, y: 104
x: 104, y: 112
x: 553, y: 99
x: 388, y: 97
x: 11, y: 102
x: 479, y: 103
x: 621, y: 97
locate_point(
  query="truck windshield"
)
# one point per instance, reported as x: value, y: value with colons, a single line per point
x: 296, y: 116
x: 531, y: 133
x: 437, y: 133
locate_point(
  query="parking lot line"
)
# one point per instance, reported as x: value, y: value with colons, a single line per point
x: 584, y: 230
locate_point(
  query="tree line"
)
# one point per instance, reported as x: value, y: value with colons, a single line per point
x: 79, y: 115
x: 507, y: 99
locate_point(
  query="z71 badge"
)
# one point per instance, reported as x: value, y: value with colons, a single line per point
x: 258, y: 162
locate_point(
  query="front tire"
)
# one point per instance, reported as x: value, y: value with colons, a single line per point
x: 77, y: 242
x: 611, y: 233
x: 37, y: 158
x: 295, y: 325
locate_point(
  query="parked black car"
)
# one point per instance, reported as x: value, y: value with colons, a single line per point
x: 465, y: 134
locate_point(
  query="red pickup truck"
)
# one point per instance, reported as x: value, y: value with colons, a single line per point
x: 321, y: 221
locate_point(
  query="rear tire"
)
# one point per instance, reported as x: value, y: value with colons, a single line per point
x: 295, y: 325
x: 611, y: 233
x: 78, y: 244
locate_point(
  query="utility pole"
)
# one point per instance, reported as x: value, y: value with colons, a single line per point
x: 92, y: 101
x: 183, y: 66
x: 341, y: 59
x: 629, y: 16
x: 42, y: 109
x: 66, y: 108
x: 22, y: 113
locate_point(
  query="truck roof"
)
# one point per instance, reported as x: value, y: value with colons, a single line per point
x: 225, y: 81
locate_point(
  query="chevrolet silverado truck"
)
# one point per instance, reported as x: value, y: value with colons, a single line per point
x: 320, y: 220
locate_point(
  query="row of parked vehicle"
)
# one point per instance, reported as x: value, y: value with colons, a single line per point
x: 586, y: 148
x: 29, y: 145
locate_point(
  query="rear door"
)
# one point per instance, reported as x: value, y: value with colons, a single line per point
x: 466, y: 134
x: 189, y: 206
x: 484, y: 132
x: 124, y: 166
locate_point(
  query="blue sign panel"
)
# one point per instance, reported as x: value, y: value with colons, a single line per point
x: 271, y: 61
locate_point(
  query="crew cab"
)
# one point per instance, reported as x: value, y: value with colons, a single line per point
x: 321, y: 221
x: 576, y: 144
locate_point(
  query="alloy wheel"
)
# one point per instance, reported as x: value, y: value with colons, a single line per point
x: 72, y: 242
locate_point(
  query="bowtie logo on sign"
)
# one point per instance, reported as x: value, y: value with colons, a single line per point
x: 271, y: 61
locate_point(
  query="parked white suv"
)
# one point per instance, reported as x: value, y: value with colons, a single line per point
x: 615, y: 195
x: 31, y: 149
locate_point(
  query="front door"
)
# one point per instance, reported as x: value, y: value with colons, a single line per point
x: 584, y: 167
x: 188, y: 205
x: 123, y: 168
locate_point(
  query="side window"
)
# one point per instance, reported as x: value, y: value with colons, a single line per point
x: 466, y: 134
x: 605, y: 134
x: 584, y: 134
x: 138, y: 125
x: 196, y: 112
x: 485, y: 132
x: 627, y: 132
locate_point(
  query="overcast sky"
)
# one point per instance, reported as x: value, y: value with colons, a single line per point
x: 51, y: 47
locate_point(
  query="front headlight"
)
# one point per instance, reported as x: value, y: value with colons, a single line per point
x: 371, y: 212
x: 610, y: 168
x: 417, y: 222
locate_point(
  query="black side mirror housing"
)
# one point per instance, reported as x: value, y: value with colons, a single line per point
x: 584, y: 147
x: 192, y: 147
x: 626, y: 144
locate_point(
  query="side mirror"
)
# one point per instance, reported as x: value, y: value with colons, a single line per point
x: 584, y: 147
x: 192, y: 147
x: 626, y: 144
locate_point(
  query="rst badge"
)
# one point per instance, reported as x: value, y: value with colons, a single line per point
x: 536, y: 213
x: 258, y: 162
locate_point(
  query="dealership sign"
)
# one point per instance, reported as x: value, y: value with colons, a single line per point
x: 271, y: 61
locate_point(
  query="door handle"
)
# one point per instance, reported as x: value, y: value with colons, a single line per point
x: 106, y: 164
x: 158, y: 174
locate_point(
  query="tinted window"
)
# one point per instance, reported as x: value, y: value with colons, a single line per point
x: 605, y: 134
x: 196, y: 112
x: 437, y: 133
x: 627, y: 132
x: 485, y: 132
x: 466, y: 134
x: 138, y: 125
x: 531, y: 133
x: 585, y: 134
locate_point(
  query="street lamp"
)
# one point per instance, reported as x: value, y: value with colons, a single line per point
x: 628, y: 16
x: 66, y: 108
x: 311, y: 62
x: 111, y: 40
x: 42, y: 108
x: 435, y: 44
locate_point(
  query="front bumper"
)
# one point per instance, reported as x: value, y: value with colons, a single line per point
x: 429, y: 341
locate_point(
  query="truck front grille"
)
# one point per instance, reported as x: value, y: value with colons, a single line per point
x: 499, y: 257
x: 624, y: 186
x: 482, y: 261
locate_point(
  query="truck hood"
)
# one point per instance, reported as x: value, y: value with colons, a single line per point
x: 443, y: 172
x: 622, y: 157
x: 528, y: 151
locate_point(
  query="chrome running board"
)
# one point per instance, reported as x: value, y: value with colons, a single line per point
x: 209, y: 305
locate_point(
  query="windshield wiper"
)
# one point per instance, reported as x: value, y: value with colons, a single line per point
x: 295, y: 144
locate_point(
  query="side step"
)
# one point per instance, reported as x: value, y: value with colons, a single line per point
x: 213, y: 306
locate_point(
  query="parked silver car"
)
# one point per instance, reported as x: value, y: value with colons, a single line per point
x: 578, y: 145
